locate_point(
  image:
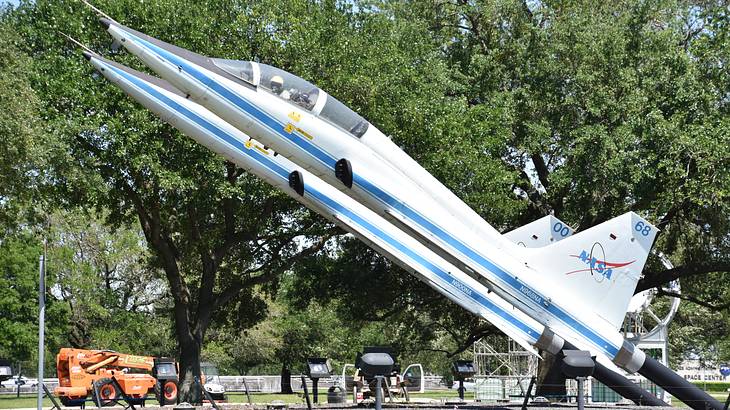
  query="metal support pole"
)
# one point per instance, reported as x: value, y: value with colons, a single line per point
x: 96, y: 396
x: 677, y: 386
x: 56, y: 406
x: 306, y: 392
x: 405, y: 393
x: 17, y: 383
x: 314, y: 390
x: 379, y: 393
x: 41, y: 321
x: 461, y: 389
x: 245, y: 386
x: 528, y: 393
x: 581, y: 399
x: 159, y: 392
x: 387, y: 390
x: 205, y: 393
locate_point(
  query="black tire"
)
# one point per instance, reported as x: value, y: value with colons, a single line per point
x: 71, y: 402
x: 138, y: 400
x: 65, y: 401
x: 108, y: 392
x: 156, y: 391
x: 170, y: 391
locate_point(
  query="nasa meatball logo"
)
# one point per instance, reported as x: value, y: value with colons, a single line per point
x: 597, y: 265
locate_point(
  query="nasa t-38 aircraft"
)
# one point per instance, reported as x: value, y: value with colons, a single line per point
x: 318, y: 132
x: 214, y: 133
x: 578, y: 288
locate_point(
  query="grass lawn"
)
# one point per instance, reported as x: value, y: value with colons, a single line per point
x: 240, y: 397
x: 8, y: 401
x: 721, y: 397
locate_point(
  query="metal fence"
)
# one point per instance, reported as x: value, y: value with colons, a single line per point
x: 260, y: 384
x: 513, y: 388
x: 272, y: 384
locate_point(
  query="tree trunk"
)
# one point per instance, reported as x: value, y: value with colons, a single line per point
x: 550, y: 378
x: 286, y: 380
x: 189, y: 390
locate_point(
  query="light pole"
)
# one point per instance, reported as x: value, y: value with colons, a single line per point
x: 41, y: 321
x: 463, y: 369
x: 317, y: 368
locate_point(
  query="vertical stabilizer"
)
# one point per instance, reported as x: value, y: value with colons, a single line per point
x: 598, y: 268
x: 539, y: 233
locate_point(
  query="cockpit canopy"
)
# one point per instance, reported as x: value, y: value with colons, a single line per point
x: 297, y: 91
x: 288, y: 86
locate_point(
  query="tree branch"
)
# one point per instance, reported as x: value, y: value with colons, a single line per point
x: 657, y: 279
x: 688, y: 298
x: 269, y: 271
x: 542, y: 170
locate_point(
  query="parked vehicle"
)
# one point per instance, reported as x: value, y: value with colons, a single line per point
x: 19, y: 381
x: 92, y: 372
x: 410, y: 380
x: 211, y: 381
x: 6, y: 370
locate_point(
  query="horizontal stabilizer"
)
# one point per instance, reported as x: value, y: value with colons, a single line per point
x: 539, y: 233
x: 598, y: 269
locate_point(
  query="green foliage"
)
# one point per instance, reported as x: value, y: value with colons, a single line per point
x: 522, y: 108
x: 22, y: 153
x: 100, y: 295
x: 19, y: 276
x: 714, y: 387
x: 114, y: 296
x: 611, y: 107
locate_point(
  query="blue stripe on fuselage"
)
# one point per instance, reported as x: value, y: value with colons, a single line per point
x: 329, y: 161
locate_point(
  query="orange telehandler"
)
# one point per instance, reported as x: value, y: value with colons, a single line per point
x: 82, y: 372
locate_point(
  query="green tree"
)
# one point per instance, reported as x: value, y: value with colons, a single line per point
x: 612, y: 107
x: 117, y: 301
x: 217, y: 234
x: 20, y: 152
x: 19, y: 276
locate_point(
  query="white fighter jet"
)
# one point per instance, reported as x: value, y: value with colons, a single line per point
x: 577, y: 288
x: 220, y: 137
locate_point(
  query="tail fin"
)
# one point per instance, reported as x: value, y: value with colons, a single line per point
x: 539, y: 233
x: 599, y: 268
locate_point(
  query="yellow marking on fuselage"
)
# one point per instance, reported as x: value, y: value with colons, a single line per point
x: 250, y: 144
x: 289, y: 128
x: 305, y: 133
x: 295, y: 116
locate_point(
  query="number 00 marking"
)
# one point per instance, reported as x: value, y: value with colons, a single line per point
x: 562, y: 230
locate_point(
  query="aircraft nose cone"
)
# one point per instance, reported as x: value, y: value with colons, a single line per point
x: 87, y: 55
x: 105, y: 22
